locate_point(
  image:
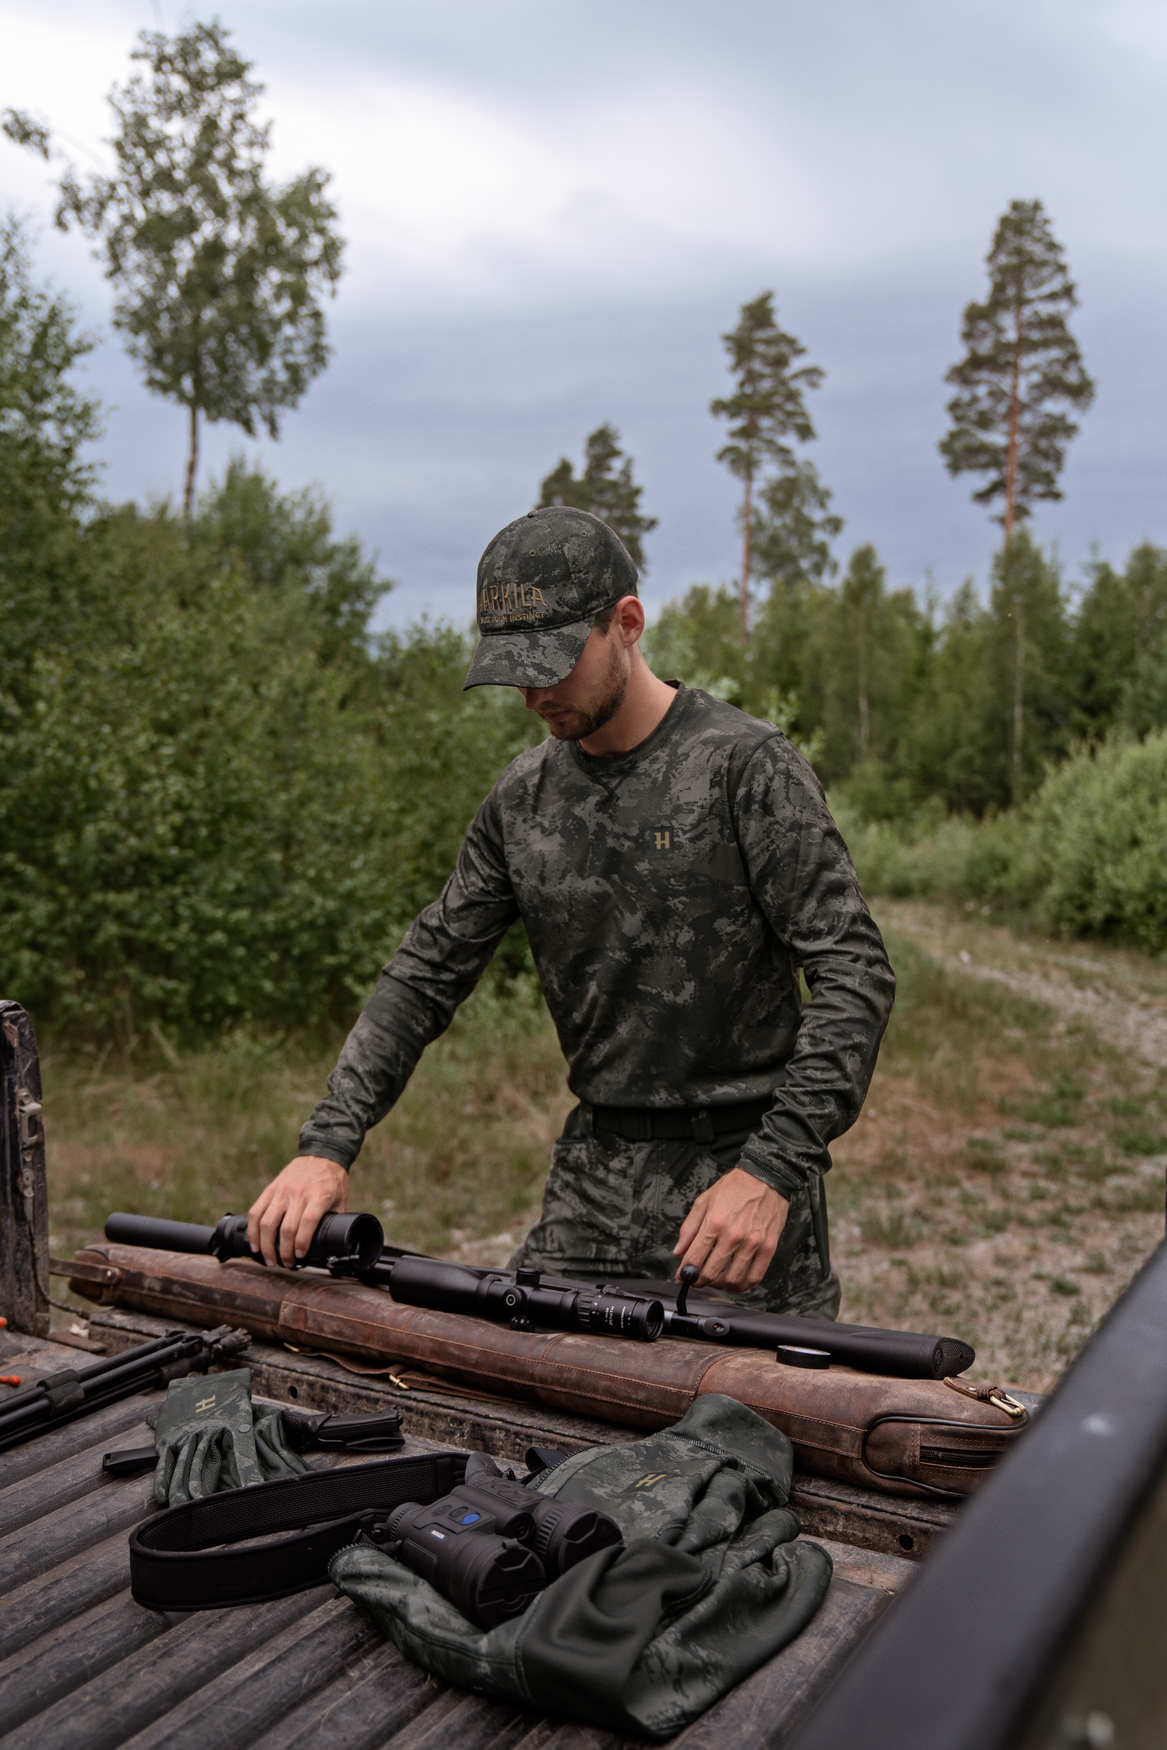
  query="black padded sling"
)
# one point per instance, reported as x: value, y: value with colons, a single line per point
x: 175, y: 1566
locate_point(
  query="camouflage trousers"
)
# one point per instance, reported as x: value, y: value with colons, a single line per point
x: 614, y: 1208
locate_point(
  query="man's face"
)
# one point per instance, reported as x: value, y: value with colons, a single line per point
x: 591, y: 694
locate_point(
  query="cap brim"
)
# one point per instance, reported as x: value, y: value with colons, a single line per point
x: 528, y: 659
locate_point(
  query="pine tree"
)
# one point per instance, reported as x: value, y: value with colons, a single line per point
x: 604, y: 488
x: 1030, y: 668
x: 1120, y: 640
x: 219, y: 272
x: 869, y: 646
x: 766, y: 409
x: 793, y: 529
x: 1020, y: 372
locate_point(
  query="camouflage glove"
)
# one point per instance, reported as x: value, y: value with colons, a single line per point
x: 209, y: 1438
x: 276, y: 1458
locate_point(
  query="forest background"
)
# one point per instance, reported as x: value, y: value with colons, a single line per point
x: 223, y: 798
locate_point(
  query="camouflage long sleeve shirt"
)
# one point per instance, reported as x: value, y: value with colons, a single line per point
x: 670, y: 895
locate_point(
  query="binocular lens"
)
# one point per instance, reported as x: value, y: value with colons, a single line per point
x: 454, y: 1546
x: 566, y: 1533
x: 563, y: 1532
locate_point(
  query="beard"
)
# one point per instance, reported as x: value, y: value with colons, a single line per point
x: 600, y: 708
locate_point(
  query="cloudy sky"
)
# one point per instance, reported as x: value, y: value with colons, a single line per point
x: 553, y: 210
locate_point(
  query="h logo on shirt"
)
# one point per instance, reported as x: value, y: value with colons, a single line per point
x: 662, y: 839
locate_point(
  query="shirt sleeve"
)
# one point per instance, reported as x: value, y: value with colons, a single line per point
x: 441, y: 958
x: 802, y: 878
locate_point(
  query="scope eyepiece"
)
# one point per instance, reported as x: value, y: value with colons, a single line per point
x: 355, y: 1239
x: 619, y: 1315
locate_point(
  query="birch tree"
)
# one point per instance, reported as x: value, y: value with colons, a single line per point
x: 219, y: 272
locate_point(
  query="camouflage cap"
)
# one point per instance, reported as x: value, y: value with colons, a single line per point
x: 541, y: 582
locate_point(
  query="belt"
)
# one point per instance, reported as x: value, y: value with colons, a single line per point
x: 679, y: 1123
x: 176, y: 1558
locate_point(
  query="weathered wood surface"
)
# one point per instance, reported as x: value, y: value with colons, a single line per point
x: 24, y: 1204
x: 85, y: 1668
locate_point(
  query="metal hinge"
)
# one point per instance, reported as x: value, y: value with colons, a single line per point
x: 28, y: 1114
x: 80, y: 1271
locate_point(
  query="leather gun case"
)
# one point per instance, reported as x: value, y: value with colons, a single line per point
x: 900, y: 1436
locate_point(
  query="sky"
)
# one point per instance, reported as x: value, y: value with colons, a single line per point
x: 554, y: 210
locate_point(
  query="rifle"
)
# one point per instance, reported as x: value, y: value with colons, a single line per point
x: 62, y: 1397
x: 353, y: 1245
x: 465, y: 1288
x: 525, y: 1298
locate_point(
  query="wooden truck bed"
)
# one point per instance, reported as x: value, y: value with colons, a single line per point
x: 82, y: 1667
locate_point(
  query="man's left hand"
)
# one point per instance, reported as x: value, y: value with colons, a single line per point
x: 732, y: 1231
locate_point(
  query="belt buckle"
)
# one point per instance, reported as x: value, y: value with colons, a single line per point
x: 702, y: 1125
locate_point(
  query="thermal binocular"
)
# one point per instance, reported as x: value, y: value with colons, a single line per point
x: 491, y: 1545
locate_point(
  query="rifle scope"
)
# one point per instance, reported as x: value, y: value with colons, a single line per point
x: 521, y: 1301
x: 349, y: 1242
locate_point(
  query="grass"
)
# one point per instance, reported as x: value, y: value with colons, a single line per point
x: 1050, y: 1216
x: 1003, y: 1183
x: 457, y: 1166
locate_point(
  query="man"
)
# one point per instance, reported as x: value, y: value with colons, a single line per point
x: 675, y: 866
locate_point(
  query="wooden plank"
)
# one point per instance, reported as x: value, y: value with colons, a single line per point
x: 868, y: 1567
x: 539, y: 1735
x: 271, y: 1682
x: 70, y: 1531
x: 552, y: 1734
x: 79, y: 1648
x: 896, y: 1525
x: 107, y: 1711
x: 43, y: 1450
x: 80, y: 1582
x: 24, y: 1206
x: 57, y: 1485
x: 458, y: 1721
x: 376, y: 1695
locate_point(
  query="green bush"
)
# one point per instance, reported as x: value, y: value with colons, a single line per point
x: 1088, y: 854
x: 1099, y: 826
x: 954, y: 858
x: 217, y: 803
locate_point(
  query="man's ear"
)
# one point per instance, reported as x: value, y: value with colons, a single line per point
x: 629, y: 615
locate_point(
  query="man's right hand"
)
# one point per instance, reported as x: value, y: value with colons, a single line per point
x: 291, y: 1207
